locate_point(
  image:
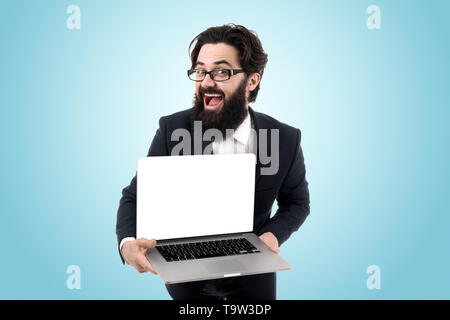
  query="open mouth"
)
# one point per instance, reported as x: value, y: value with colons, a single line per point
x: 212, y: 100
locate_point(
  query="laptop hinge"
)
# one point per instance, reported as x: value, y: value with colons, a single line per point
x: 231, y: 235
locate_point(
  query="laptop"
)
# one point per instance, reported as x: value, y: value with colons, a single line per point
x: 199, y: 208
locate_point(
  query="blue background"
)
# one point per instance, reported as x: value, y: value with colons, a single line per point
x: 78, y: 107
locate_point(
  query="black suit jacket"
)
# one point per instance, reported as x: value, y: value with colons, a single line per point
x: 288, y: 186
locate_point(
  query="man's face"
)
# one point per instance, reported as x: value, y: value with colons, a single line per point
x: 218, y: 56
x: 220, y: 105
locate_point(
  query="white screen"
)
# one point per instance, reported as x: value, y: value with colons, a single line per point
x: 188, y: 196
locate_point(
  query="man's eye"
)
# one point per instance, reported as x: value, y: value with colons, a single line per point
x: 200, y: 72
x: 221, y: 72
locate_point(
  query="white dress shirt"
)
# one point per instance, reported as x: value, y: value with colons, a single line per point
x: 241, y: 142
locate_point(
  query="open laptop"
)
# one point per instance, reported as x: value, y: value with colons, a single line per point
x: 199, y: 208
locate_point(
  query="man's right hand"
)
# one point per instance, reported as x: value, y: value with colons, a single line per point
x: 134, y: 254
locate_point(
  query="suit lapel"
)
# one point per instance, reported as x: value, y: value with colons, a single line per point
x: 257, y: 125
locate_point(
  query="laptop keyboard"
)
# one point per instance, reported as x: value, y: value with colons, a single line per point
x: 206, y: 249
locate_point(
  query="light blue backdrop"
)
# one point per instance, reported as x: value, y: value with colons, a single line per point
x: 78, y: 107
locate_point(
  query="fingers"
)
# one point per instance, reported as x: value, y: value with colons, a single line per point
x: 134, y: 254
x: 145, y: 243
x: 139, y: 268
x: 273, y: 247
x: 271, y: 241
x: 144, y: 265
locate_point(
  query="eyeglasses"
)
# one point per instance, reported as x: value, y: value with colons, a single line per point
x: 216, y: 75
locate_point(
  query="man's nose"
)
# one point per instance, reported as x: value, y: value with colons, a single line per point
x: 208, y: 82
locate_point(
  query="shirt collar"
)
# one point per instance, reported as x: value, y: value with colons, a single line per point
x: 242, y: 132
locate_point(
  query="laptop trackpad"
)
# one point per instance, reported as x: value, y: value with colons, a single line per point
x: 224, y: 266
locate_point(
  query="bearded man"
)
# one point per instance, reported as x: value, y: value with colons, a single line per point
x: 227, y: 66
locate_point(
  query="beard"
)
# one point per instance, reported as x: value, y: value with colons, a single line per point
x: 230, y: 116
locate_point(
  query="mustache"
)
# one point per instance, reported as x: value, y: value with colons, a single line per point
x: 202, y: 91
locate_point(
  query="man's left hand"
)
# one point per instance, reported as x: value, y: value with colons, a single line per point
x: 271, y: 241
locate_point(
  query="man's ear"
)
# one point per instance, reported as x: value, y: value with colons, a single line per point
x: 253, y: 82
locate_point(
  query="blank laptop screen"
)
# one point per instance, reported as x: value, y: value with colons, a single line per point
x: 199, y: 195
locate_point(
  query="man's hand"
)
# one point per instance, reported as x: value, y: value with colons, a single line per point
x: 271, y: 241
x: 134, y: 254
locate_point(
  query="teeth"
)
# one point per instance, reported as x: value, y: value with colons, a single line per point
x: 212, y: 95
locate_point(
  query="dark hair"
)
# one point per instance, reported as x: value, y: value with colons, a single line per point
x: 252, y: 57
